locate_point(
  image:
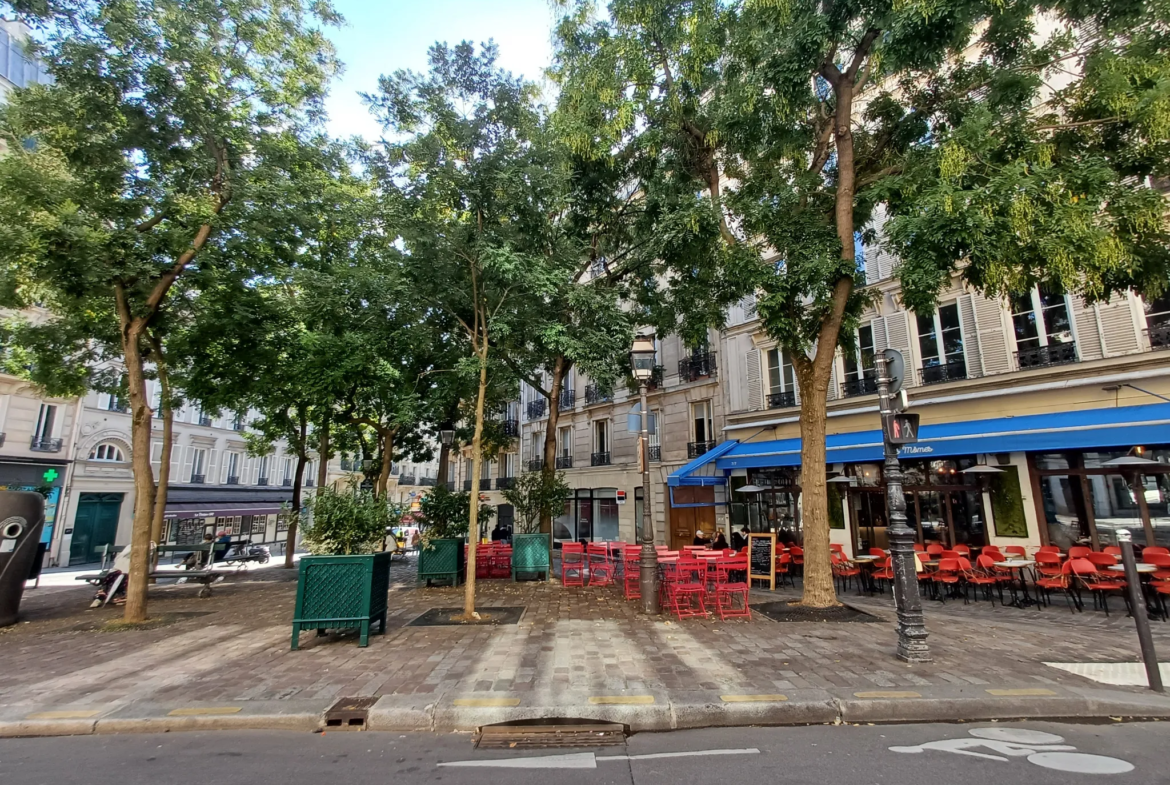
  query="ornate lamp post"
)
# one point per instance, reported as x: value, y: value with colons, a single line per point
x: 642, y: 358
x: 447, y: 437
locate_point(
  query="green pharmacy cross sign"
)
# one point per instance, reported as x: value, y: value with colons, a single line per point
x: 50, y: 475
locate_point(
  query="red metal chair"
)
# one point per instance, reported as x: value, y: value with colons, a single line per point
x: 631, y: 573
x: 884, y: 573
x: 844, y: 571
x: 920, y: 547
x: 731, y: 582
x: 1048, y: 549
x: 1154, y: 550
x: 1162, y: 562
x: 483, y: 560
x: 934, y: 550
x: 600, y: 565
x: 963, y: 550
x: 1079, y: 552
x: 784, y: 568
x: 881, y: 554
x: 1061, y: 581
x: 797, y: 554
x: 947, y: 574
x: 501, y: 562
x: 983, y: 575
x: 1103, y: 561
x: 1016, y: 550
x: 573, y: 564
x: 993, y: 553
x: 689, y: 588
x: 1097, y: 584
x: 837, y: 547
x: 1113, y: 550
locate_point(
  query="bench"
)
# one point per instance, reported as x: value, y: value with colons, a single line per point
x: 202, y: 573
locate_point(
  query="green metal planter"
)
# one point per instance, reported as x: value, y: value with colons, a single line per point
x: 531, y: 555
x: 442, y: 561
x: 342, y: 592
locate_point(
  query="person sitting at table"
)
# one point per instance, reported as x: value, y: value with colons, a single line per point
x: 739, y: 539
x: 701, y: 539
x: 720, y: 542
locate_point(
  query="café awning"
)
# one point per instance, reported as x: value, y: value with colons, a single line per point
x: 702, y: 470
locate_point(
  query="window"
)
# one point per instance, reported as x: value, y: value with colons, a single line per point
x: 940, y: 343
x: 1158, y: 321
x: 859, y: 366
x: 508, y: 464
x: 564, y: 442
x: 702, y: 427
x: 1040, y: 318
x: 198, y: 465
x: 485, y: 469
x: 601, y: 436
x: 451, y: 470
x: 263, y: 473
x: 233, y: 468
x: 781, y: 380
x: 107, y: 453
x: 46, y: 419
x: 537, y: 455
x: 288, y: 471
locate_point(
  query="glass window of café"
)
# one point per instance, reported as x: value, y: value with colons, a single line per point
x: 1085, y: 501
x: 775, y: 507
x: 590, y: 516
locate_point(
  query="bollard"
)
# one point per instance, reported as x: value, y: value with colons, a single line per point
x: 1141, y: 616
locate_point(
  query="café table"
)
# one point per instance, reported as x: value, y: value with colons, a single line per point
x: 1144, y: 573
x: 866, y: 562
x: 1017, y: 567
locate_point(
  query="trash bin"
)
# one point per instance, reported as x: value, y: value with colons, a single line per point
x: 22, y: 516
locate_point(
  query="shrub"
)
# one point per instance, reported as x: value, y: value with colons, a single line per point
x: 347, y: 522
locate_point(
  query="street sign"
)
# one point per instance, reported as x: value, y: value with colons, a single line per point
x: 900, y: 428
x: 895, y: 369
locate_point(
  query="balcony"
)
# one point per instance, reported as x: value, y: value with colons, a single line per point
x: 655, y: 451
x: 408, y: 479
x: 860, y: 386
x: 654, y: 383
x: 510, y: 427
x: 599, y: 459
x: 198, y: 479
x: 535, y: 464
x: 1159, y: 335
x: 1044, y: 356
x: 204, y: 420
x: 567, y: 400
x: 936, y: 374
x: 537, y: 409
x: 485, y: 484
x: 310, y: 482
x: 564, y: 461
x: 233, y: 479
x: 119, y: 406
x: 286, y: 482
x: 594, y: 394
x: 426, y: 482
x: 466, y: 485
x: 45, y: 445
x: 261, y: 480
x: 697, y: 366
x: 695, y: 449
x: 238, y: 423
x: 782, y: 400
x: 504, y: 483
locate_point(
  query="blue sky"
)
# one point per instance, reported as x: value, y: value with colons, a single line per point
x: 382, y: 36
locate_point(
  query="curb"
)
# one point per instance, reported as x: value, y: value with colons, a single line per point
x: 639, y: 713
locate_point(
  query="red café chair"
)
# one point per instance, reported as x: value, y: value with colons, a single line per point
x: 836, y: 547
x: 784, y: 568
x: 994, y: 553
x: 1112, y: 550
x: 934, y: 551
x: 1048, y: 549
x: 797, y: 554
x: 1016, y: 550
x: 1098, y: 585
x: 1154, y: 550
x: 884, y: 573
x: 951, y: 553
x: 1061, y: 580
x: 1079, y: 552
x: 689, y: 589
x: 483, y: 560
x: 844, y: 571
x: 948, y: 575
x: 731, y: 582
x: 1162, y: 562
x: 631, y: 573
x: 600, y: 565
x: 881, y: 554
x: 983, y: 575
x: 962, y: 550
x: 1103, y: 561
x: 919, y: 547
x: 501, y: 562
x: 573, y: 564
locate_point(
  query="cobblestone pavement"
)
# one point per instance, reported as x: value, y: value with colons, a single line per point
x: 235, y: 647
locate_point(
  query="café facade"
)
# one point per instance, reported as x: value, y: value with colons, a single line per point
x: 1057, y: 477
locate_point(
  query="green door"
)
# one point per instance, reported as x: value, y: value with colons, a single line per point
x: 95, y: 525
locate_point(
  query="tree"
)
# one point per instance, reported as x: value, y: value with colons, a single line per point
x: 536, y: 498
x: 160, y: 151
x: 797, y: 118
x: 470, y: 183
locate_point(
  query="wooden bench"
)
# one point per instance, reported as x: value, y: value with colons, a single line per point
x: 203, y: 573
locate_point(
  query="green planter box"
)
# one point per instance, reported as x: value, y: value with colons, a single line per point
x: 531, y: 555
x: 443, y: 561
x: 342, y: 592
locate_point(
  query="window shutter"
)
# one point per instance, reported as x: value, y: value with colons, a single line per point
x: 737, y: 373
x: 755, y: 392
x: 880, y: 337
x: 970, y: 336
x: 995, y: 350
x: 834, y: 386
x: 176, y: 462
x: 1117, y: 324
x: 898, y: 335
x: 188, y: 462
x: 1086, y: 329
x: 155, y: 455
x: 212, y: 464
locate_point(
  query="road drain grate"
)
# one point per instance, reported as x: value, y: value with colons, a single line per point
x: 349, y: 714
x: 542, y: 734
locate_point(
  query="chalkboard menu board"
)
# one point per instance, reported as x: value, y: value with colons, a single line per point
x: 762, y: 558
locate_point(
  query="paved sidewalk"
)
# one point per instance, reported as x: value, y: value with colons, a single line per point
x: 225, y: 662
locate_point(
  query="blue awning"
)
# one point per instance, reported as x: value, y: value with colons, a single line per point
x: 702, y: 470
x: 1120, y: 427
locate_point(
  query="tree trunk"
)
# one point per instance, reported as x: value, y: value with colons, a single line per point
x: 549, y: 468
x: 386, y: 443
x: 290, y: 543
x: 476, y: 461
x: 323, y: 458
x: 144, y: 487
x: 819, y: 589
x: 164, y: 467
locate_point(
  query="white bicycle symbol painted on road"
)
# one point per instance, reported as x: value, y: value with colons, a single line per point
x: 1043, y: 749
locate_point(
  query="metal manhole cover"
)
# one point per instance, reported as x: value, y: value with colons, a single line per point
x: 542, y: 734
x: 349, y: 714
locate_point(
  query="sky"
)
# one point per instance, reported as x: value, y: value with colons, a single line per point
x: 382, y: 36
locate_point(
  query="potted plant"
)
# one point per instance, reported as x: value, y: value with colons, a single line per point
x: 344, y: 583
x: 532, y: 496
x: 443, y: 526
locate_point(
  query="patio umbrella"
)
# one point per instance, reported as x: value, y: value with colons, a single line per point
x: 751, y: 489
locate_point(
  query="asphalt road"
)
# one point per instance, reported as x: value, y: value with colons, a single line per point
x: 1035, y: 753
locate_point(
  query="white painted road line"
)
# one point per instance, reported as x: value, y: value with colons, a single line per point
x: 585, y: 760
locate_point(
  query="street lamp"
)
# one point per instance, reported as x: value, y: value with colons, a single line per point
x: 446, y: 437
x: 642, y: 357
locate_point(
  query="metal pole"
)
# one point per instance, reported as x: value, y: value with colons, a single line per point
x: 648, y: 576
x: 912, y: 632
x: 1141, y: 617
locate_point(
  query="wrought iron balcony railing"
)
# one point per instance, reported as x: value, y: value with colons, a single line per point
x: 782, y: 400
x: 504, y: 483
x: 309, y: 482
x: 564, y: 461
x: 537, y: 408
x: 427, y: 481
x: 861, y: 386
x: 695, y: 449
x: 262, y: 481
x: 568, y: 399
x: 949, y: 372
x: 1044, y: 356
x: 697, y: 366
x: 233, y: 479
x: 45, y: 445
x: 510, y: 427
x: 599, y: 459
x: 594, y: 394
x: 407, y: 479
x: 198, y: 479
x: 467, y: 485
x: 286, y: 482
x: 1159, y: 335
x: 655, y: 451
x: 535, y: 464
x: 204, y: 420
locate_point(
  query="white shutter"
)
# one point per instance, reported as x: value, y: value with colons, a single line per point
x: 898, y: 334
x: 1117, y: 323
x: 176, y: 462
x: 834, y: 388
x: 1085, y: 328
x: 880, y: 336
x: 212, y: 465
x: 188, y: 462
x: 970, y: 336
x: 156, y: 453
x: 736, y: 371
x: 755, y: 392
x: 995, y: 350
x: 671, y: 354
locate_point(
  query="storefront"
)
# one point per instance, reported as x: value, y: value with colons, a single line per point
x: 47, y: 477
x: 590, y: 516
x: 1062, y: 478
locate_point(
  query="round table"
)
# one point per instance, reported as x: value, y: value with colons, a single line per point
x: 866, y: 562
x: 1141, y: 568
x: 1015, y: 565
